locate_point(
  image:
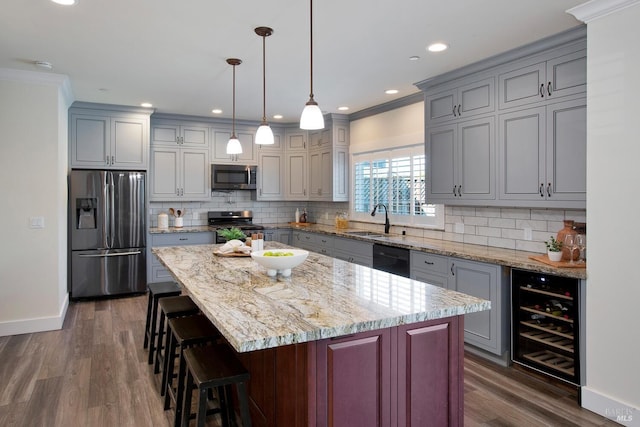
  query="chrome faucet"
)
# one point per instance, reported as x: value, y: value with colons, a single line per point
x: 386, y: 216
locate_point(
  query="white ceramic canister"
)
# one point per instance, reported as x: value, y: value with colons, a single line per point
x: 163, y: 220
x: 178, y: 223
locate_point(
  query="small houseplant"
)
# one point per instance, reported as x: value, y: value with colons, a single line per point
x: 554, y: 249
x: 232, y: 233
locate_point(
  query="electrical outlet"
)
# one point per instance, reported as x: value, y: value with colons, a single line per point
x: 195, y: 215
x: 36, y: 222
x: 528, y: 233
x: 459, y: 228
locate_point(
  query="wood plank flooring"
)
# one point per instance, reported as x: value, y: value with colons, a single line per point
x: 94, y: 372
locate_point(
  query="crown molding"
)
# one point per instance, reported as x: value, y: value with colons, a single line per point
x: 595, y: 9
x: 60, y: 80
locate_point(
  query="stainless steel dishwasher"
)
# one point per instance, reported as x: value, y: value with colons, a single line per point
x: 391, y: 259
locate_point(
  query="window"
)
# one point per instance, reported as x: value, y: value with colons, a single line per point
x: 396, y: 178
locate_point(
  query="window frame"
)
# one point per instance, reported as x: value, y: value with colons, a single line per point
x: 410, y: 220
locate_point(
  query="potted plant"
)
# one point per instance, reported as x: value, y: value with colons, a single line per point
x: 554, y: 249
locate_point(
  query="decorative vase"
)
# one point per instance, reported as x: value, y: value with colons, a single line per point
x: 567, y: 230
x: 555, y: 256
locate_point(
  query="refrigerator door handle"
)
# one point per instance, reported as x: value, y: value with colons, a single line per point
x: 106, y: 229
x: 110, y: 255
x: 112, y: 214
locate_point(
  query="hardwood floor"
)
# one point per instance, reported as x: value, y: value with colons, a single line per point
x: 94, y: 372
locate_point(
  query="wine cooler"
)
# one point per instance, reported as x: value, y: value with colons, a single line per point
x: 547, y: 324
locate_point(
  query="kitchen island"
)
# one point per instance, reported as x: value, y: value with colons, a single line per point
x: 336, y: 343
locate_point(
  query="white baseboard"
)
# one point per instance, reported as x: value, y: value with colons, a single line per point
x: 610, y: 408
x: 40, y: 324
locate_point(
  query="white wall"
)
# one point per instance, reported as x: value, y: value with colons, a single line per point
x: 613, y: 176
x: 33, y: 169
x: 402, y: 126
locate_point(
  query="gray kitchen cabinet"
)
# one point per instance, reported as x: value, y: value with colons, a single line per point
x: 329, y: 161
x: 180, y: 174
x: 352, y: 250
x: 487, y: 330
x: 186, y: 134
x: 295, y: 182
x: 429, y: 268
x: 316, y: 242
x: 271, y: 176
x: 104, y: 139
x: 278, y: 141
x: 246, y: 136
x: 155, y: 270
x: 542, y: 155
x: 543, y: 81
x: 295, y: 139
x: 461, y: 161
x: 462, y: 100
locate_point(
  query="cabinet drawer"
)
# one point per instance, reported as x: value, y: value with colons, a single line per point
x: 428, y: 262
x: 176, y: 239
x: 355, y: 247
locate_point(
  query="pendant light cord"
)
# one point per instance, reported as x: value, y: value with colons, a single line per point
x: 233, y: 123
x: 311, y: 47
x: 264, y: 82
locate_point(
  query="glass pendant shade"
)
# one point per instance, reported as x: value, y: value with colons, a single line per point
x: 311, y: 117
x: 233, y: 146
x: 264, y: 135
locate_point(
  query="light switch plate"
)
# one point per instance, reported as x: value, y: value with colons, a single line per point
x: 528, y: 233
x: 36, y: 222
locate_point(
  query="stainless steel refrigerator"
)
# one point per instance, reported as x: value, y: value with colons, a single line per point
x: 107, y: 233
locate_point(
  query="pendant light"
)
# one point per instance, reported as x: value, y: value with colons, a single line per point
x: 233, y: 146
x: 311, y: 117
x: 264, y: 134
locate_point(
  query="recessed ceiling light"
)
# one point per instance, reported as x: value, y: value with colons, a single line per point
x: 65, y: 2
x: 43, y: 64
x: 343, y: 108
x: 146, y: 105
x: 414, y: 58
x: 437, y: 47
x: 277, y: 116
x: 391, y: 91
x: 216, y: 111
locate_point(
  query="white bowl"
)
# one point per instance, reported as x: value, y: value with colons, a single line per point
x: 280, y: 264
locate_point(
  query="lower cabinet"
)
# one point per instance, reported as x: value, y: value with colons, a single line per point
x: 487, y: 330
x: 155, y: 270
x: 278, y: 235
x: 410, y: 375
x: 355, y: 251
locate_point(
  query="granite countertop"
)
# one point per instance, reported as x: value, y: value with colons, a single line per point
x: 506, y: 257
x: 324, y: 297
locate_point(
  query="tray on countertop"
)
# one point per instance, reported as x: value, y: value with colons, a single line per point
x: 560, y: 264
x: 231, y: 254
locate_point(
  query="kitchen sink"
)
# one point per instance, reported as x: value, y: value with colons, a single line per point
x: 363, y: 233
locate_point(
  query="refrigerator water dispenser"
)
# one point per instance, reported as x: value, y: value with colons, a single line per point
x: 86, y: 213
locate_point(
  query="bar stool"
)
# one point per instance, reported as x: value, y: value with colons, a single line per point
x: 182, y: 333
x: 156, y: 291
x: 169, y: 308
x: 217, y: 367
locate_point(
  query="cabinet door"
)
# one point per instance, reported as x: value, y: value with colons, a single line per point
x: 195, y: 136
x: 522, y: 86
x: 430, y: 366
x: 296, y: 140
x: 195, y: 174
x: 340, y: 175
x: 296, y: 176
x: 430, y: 278
x: 476, y: 159
x: 441, y: 153
x: 341, y: 134
x: 129, y: 143
x: 566, y: 154
x: 165, y: 172
x: 480, y: 280
x: 567, y: 75
x: 476, y: 98
x: 165, y: 134
x: 315, y: 175
x: 522, y: 154
x: 354, y: 380
x: 442, y: 106
x: 220, y: 140
x: 90, y: 141
x: 270, y: 176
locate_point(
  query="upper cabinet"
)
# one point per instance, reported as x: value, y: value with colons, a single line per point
x: 246, y: 136
x: 108, y: 139
x: 544, y: 81
x: 172, y: 133
x: 329, y: 161
x: 462, y: 101
x: 529, y: 150
x: 296, y: 139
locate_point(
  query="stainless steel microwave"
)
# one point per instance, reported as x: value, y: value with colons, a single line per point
x: 233, y: 177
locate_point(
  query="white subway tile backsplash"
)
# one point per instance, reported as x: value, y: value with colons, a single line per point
x: 476, y: 240
x: 516, y: 213
x: 502, y: 223
x: 502, y: 243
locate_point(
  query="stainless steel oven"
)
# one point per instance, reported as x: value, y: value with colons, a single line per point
x: 238, y: 219
x: 233, y: 177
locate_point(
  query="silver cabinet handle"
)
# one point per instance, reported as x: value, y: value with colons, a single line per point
x: 248, y: 176
x: 106, y: 161
x: 113, y: 160
x: 109, y: 255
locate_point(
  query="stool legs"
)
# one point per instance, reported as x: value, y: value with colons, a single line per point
x: 161, y: 327
x: 152, y: 332
x: 148, y: 322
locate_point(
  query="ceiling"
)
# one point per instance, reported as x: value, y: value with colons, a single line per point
x: 172, y: 53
